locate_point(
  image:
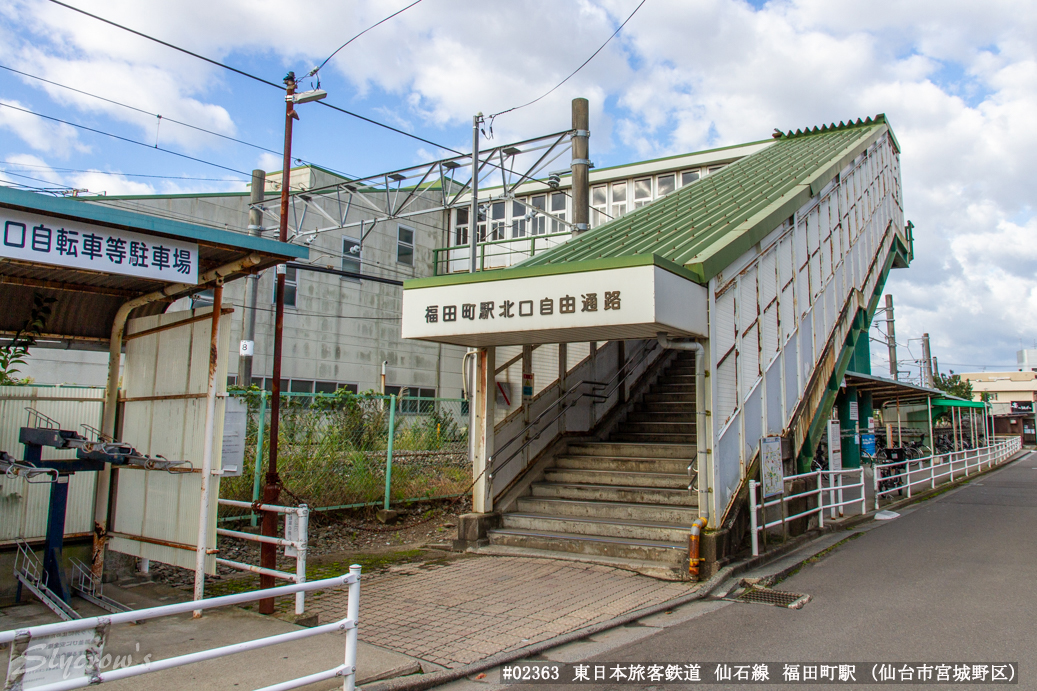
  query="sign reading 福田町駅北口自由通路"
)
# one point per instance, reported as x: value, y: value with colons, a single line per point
x: 51, y: 240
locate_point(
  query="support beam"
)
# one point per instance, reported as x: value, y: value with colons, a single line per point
x: 482, y: 430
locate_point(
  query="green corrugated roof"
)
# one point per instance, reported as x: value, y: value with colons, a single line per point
x: 705, y: 226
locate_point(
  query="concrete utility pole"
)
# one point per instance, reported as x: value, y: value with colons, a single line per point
x: 891, y: 339
x: 272, y: 490
x: 581, y: 165
x: 248, y: 332
x: 927, y: 362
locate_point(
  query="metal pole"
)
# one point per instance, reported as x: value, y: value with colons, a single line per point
x: 353, y: 614
x: 272, y: 490
x: 581, y: 165
x: 891, y: 338
x: 927, y: 362
x: 932, y: 437
x: 248, y: 331
x: 473, y: 215
x: 256, y: 484
x: 752, y: 517
x: 300, y: 557
x: 207, y: 448
x: 388, y: 452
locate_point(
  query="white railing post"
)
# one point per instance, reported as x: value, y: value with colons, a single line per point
x: 820, y: 502
x: 352, y: 613
x: 907, y: 475
x: 864, y: 495
x: 932, y: 472
x: 300, y: 558
x: 752, y: 518
x: 875, y: 483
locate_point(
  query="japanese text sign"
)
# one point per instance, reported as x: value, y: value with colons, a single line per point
x: 71, y: 244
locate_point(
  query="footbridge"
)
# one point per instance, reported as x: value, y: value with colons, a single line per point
x: 721, y: 314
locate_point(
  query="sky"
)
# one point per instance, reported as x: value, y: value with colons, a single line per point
x: 957, y: 81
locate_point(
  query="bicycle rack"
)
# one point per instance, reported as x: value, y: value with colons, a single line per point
x: 28, y: 569
x: 90, y: 588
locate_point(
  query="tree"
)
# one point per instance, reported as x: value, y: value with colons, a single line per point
x: 14, y: 352
x: 954, y: 385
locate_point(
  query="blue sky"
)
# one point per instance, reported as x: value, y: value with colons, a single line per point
x: 957, y: 80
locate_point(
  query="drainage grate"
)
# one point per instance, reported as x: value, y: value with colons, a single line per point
x: 765, y: 596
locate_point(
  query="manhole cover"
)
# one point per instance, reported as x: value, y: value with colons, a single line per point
x: 766, y: 596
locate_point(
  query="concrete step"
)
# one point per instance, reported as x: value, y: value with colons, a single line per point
x: 665, y: 407
x: 627, y: 495
x: 669, y: 397
x: 614, y: 478
x: 674, y: 553
x: 661, y: 416
x: 601, y: 527
x: 656, y: 569
x: 653, y: 438
x: 658, y: 427
x: 683, y: 389
x: 614, y: 449
x: 627, y: 465
x: 656, y: 513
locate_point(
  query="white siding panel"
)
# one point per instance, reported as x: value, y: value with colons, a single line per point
x: 724, y: 319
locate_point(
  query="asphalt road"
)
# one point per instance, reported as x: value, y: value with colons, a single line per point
x: 952, y: 579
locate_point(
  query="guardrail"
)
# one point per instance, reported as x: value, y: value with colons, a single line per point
x: 890, y: 477
x: 295, y: 542
x: 899, y: 476
x: 61, y: 639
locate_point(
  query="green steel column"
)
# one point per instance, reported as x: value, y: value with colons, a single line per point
x: 851, y: 449
x: 388, y: 452
x: 256, y: 482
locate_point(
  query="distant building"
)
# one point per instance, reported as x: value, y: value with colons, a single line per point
x: 1011, y: 394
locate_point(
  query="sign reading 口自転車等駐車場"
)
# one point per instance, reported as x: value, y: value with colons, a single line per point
x: 33, y: 237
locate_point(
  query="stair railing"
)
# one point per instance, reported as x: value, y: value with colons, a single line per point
x: 561, y: 405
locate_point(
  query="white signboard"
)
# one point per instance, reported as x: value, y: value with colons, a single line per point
x: 855, y: 413
x: 835, y: 446
x: 772, y: 471
x: 235, y: 422
x: 37, y: 662
x: 72, y: 244
x: 630, y: 302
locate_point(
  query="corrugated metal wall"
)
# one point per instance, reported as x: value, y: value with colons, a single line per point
x: 23, y: 506
x: 771, y: 322
x: 171, y: 366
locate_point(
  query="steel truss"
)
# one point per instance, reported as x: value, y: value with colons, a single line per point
x: 394, y: 195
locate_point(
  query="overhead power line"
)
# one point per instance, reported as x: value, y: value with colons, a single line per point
x: 319, y: 67
x: 108, y: 172
x: 573, y: 73
x: 280, y: 87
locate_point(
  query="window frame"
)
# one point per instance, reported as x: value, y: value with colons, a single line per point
x: 412, y: 245
x: 348, y: 256
x: 288, y: 283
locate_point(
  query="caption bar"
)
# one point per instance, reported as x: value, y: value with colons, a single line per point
x: 763, y: 673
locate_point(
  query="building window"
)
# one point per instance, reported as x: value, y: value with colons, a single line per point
x: 351, y: 256
x: 411, y: 399
x: 301, y: 386
x: 461, y: 227
x: 599, y: 205
x: 405, y: 245
x: 642, y: 192
x: 518, y: 220
x: 619, y: 199
x: 688, y: 177
x: 665, y: 184
x: 538, y: 225
x: 232, y: 379
x: 291, y: 287
x: 497, y: 222
x: 558, y: 210
x: 715, y: 169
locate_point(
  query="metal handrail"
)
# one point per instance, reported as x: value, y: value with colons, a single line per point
x: 625, y: 369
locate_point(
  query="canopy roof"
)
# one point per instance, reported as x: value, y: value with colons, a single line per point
x: 87, y: 300
x: 890, y: 391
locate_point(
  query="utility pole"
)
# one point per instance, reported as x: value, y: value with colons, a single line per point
x: 891, y: 339
x: 248, y: 332
x: 473, y: 217
x: 581, y: 165
x: 927, y: 362
x: 272, y: 490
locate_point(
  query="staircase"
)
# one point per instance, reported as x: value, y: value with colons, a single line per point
x: 624, y: 501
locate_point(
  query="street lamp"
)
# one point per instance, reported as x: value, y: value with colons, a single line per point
x: 272, y: 488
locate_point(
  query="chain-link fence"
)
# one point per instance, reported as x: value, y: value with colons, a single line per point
x: 337, y: 451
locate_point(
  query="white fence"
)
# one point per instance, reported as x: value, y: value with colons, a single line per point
x: 87, y: 637
x: 295, y: 542
x: 831, y: 487
x: 930, y: 471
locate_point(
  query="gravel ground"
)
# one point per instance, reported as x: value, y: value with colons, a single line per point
x: 339, y: 537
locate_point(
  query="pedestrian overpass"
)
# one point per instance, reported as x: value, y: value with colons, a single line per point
x: 723, y: 313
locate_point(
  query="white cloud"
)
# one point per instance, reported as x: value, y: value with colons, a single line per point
x: 39, y: 133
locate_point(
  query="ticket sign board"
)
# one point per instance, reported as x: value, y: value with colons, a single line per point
x: 835, y: 445
x: 77, y: 245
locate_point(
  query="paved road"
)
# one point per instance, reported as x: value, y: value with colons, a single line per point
x: 953, y: 579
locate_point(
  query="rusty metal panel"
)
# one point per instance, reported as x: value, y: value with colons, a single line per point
x: 166, y: 376
x: 23, y: 506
